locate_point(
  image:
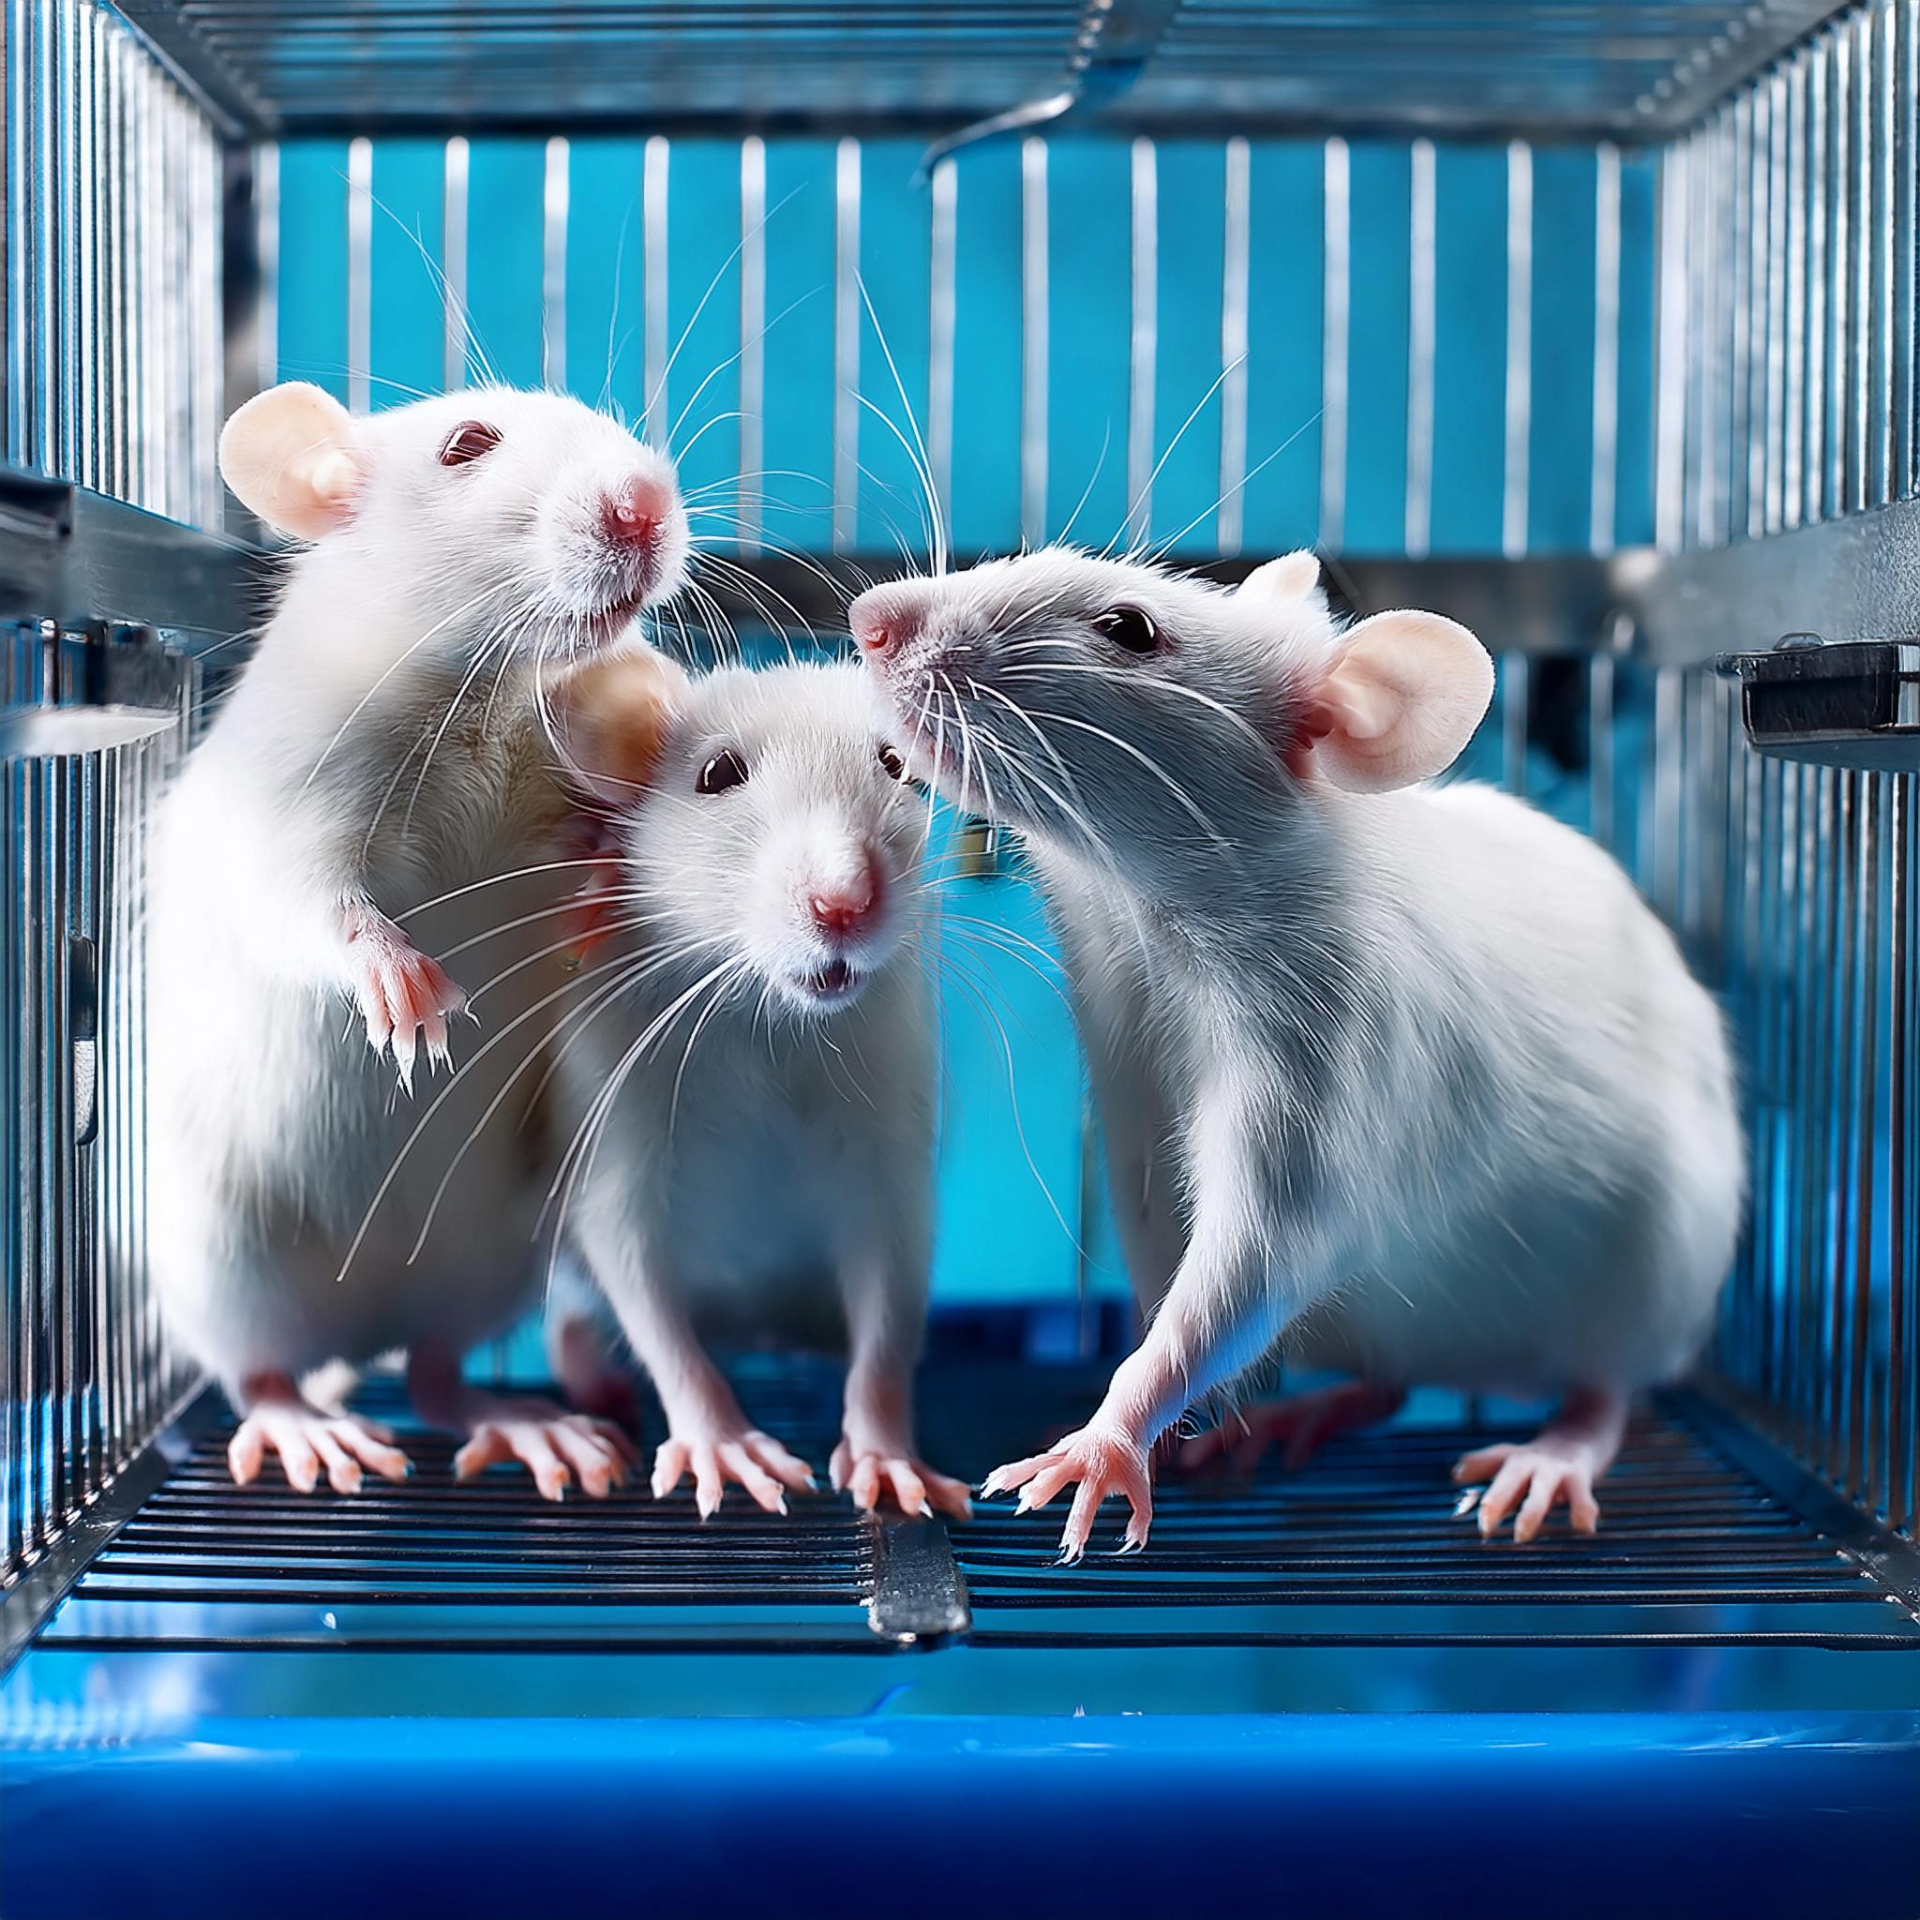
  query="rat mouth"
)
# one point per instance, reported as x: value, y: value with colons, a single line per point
x: 832, y: 985
x: 606, y: 623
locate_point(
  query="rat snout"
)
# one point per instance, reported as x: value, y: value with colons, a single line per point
x: 633, y: 513
x: 887, y: 620
x: 845, y: 907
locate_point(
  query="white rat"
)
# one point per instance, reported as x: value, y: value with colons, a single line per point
x: 754, y: 1079
x: 1407, y: 1075
x: 383, y: 752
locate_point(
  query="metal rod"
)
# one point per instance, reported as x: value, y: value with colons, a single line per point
x: 846, y: 344
x: 457, y: 342
x: 1033, y: 341
x: 1235, y: 292
x: 753, y: 342
x: 653, y: 201
x: 1143, y: 354
x: 1606, y: 347
x: 942, y: 298
x: 1421, y: 276
x: 553, y: 264
x: 1336, y: 299
x: 359, y: 275
x: 1519, y: 403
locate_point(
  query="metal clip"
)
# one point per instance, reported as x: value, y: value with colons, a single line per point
x: 1832, y: 703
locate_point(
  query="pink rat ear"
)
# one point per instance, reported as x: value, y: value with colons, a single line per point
x: 1397, y: 702
x: 1293, y: 577
x: 613, y: 717
x: 292, y: 456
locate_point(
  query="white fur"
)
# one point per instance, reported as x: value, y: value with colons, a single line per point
x: 272, y: 1123
x: 763, y: 1166
x: 1412, y: 1078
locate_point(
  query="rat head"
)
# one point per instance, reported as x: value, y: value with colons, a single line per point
x: 479, y: 512
x: 763, y: 817
x: 1158, y: 721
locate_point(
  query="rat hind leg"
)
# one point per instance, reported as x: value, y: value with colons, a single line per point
x: 277, y: 1419
x: 1560, y: 1466
x: 557, y: 1447
x: 1299, y: 1423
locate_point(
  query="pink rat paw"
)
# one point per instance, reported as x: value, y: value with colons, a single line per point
x: 1104, y: 1462
x: 1535, y: 1478
x: 308, y: 1441
x: 731, y: 1455
x: 896, y: 1473
x: 404, y: 995
x: 558, y: 1448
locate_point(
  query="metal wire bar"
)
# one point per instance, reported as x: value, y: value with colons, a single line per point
x: 113, y: 309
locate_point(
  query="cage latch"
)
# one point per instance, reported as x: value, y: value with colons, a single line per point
x: 1849, y: 703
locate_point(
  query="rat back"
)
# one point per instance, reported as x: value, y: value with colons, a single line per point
x: 1522, y: 1102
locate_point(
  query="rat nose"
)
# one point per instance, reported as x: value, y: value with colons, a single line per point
x: 631, y: 515
x: 844, y: 907
x: 886, y: 620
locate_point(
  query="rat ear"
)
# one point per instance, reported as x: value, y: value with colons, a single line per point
x: 1400, y: 699
x: 612, y: 718
x: 292, y: 456
x: 1293, y: 577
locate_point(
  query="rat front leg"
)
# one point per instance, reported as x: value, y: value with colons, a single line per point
x: 1236, y: 1286
x: 404, y: 995
x: 876, y: 1456
x: 277, y: 1418
x: 709, y: 1437
x: 1560, y: 1464
x: 556, y: 1447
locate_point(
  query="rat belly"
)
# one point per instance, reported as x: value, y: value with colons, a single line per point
x: 1531, y: 1297
x: 746, y: 1231
x: 280, y: 1141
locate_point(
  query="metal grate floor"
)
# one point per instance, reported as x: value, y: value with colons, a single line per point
x: 1697, y: 1548
x: 1367, y: 1547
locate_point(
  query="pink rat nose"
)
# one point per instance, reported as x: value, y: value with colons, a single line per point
x: 632, y: 515
x: 885, y: 620
x: 846, y: 907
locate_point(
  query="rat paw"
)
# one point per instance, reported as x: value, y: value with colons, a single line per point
x: 742, y: 1457
x: 558, y: 1448
x: 404, y: 995
x: 1104, y: 1462
x: 1300, y: 1424
x: 307, y: 1440
x: 1534, y: 1478
x: 872, y: 1474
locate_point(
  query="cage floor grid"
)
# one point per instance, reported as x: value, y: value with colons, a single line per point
x: 1363, y: 1547
x: 1368, y: 1545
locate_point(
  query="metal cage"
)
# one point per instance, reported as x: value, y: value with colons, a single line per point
x: 1614, y: 358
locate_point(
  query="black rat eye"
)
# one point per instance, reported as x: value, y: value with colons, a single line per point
x: 726, y: 769
x: 890, y: 759
x: 1128, y: 627
x: 468, y: 441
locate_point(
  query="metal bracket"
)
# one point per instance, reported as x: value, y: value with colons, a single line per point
x: 919, y: 1594
x: 80, y: 559
x: 1845, y: 704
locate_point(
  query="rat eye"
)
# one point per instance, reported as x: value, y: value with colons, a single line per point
x: 468, y: 441
x: 726, y: 769
x: 1128, y: 627
x: 895, y: 766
